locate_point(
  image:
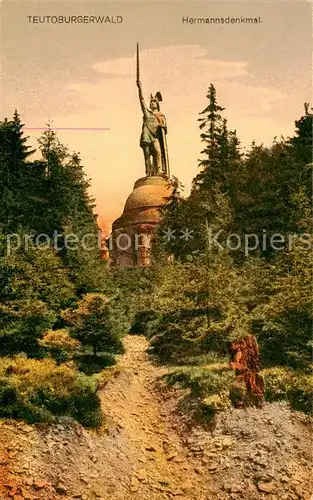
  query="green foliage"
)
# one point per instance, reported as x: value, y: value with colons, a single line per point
x: 284, y: 323
x: 173, y: 215
x: 208, y: 296
x: 35, y: 273
x: 34, y: 286
x: 204, y: 213
x: 50, y: 198
x: 272, y: 193
x: 60, y: 345
x: 222, y: 148
x: 199, y: 306
x: 132, y: 291
x: 210, y: 384
x: 16, y: 174
x: 70, y: 212
x: 22, y: 324
x: 286, y: 384
x: 302, y: 141
x: 90, y: 365
x: 39, y: 390
x: 141, y: 321
x: 214, y: 385
x: 95, y: 323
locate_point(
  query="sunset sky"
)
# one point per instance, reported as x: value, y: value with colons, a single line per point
x: 83, y: 75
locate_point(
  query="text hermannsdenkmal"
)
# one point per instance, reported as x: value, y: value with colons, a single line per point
x: 222, y: 20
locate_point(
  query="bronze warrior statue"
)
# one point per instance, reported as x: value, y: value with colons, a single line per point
x: 153, y: 135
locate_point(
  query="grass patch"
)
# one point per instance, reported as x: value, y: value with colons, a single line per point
x: 210, y: 384
x: 293, y: 386
x: 213, y: 385
x: 204, y: 360
x: 40, y: 390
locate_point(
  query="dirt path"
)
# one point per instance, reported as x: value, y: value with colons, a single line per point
x: 161, y: 467
x: 147, y: 451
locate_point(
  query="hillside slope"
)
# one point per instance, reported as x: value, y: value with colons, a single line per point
x: 149, y: 451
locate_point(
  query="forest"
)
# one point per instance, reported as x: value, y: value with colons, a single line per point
x: 242, y: 281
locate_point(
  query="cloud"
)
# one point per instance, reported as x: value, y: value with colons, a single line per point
x: 170, y: 62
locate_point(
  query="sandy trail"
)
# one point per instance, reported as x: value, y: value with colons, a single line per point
x: 160, y: 463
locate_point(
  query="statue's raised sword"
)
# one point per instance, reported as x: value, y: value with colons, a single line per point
x: 164, y: 140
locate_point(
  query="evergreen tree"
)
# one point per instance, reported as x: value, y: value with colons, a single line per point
x: 15, y: 174
x: 95, y: 324
x: 302, y: 142
x: 273, y: 191
x: 13, y: 144
x: 212, y: 189
x: 222, y: 148
x: 167, y: 241
x: 214, y: 136
x: 69, y: 211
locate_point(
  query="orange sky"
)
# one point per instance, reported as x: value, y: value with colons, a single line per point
x: 84, y: 76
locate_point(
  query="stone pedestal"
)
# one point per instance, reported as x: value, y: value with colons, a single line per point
x: 133, y: 232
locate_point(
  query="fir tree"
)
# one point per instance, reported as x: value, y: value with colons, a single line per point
x: 15, y: 174
x: 303, y: 139
x: 214, y: 133
x: 69, y: 210
x: 222, y: 153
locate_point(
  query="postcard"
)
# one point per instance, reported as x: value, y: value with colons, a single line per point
x: 156, y: 250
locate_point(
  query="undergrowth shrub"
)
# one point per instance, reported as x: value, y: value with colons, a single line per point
x: 39, y: 390
x: 174, y: 339
x: 211, y: 384
x: 216, y: 387
x: 283, y: 324
x: 141, y: 322
x: 60, y: 345
x: 290, y: 385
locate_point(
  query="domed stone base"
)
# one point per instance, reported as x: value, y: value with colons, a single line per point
x: 133, y: 232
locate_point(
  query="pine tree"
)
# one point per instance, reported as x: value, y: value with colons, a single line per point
x: 13, y: 144
x: 303, y: 139
x: 212, y: 189
x: 213, y: 123
x: 273, y: 191
x: 69, y: 210
x: 20, y: 149
x: 214, y: 134
x: 53, y: 152
x: 15, y: 174
x: 222, y: 155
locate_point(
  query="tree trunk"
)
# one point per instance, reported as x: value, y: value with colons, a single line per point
x: 94, y: 346
x: 245, y: 361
